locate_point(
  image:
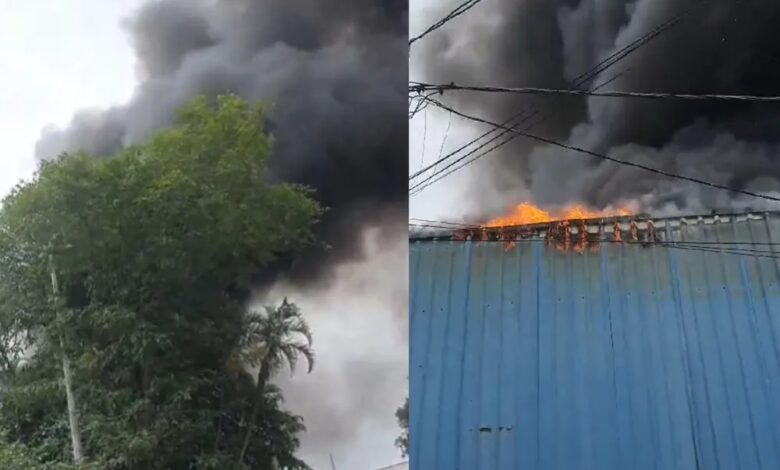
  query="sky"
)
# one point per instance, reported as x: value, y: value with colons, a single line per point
x: 67, y: 56
x: 433, y: 133
x: 82, y: 61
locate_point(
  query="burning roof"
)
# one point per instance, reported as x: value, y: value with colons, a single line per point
x: 581, y: 234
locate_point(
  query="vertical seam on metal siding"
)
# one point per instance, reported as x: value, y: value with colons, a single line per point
x: 445, y: 357
x: 755, y: 331
x: 569, y: 367
x: 775, y: 262
x: 698, y: 329
x: 588, y: 379
x: 538, y: 276
x: 676, y: 452
x: 412, y: 334
x: 776, y: 283
x: 762, y: 282
x: 499, y: 408
x: 458, y: 421
x: 426, y: 355
x: 481, y: 351
x: 740, y: 358
x: 608, y: 306
x: 654, y: 428
x: 623, y: 332
x: 554, y: 363
x: 764, y: 295
x: 684, y: 350
x: 517, y: 377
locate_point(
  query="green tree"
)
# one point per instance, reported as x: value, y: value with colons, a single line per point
x: 402, y: 415
x: 155, y: 251
x: 270, y: 341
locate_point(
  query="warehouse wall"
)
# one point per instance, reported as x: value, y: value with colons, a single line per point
x: 629, y: 356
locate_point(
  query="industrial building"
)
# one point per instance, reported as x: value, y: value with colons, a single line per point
x: 605, y: 344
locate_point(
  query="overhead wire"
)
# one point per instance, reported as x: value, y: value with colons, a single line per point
x: 437, y: 176
x: 459, y: 224
x: 579, y: 81
x: 701, y: 246
x: 444, y: 140
x: 459, y: 10
x: 607, y: 157
x: 422, y: 87
x: 420, y: 185
x: 421, y: 104
x: 425, y: 137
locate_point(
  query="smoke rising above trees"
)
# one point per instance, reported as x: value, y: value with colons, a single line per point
x: 334, y: 74
x: 717, y: 47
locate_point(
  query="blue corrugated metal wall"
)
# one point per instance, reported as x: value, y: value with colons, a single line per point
x: 630, y: 357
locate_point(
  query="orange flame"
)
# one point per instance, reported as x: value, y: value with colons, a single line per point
x: 527, y: 213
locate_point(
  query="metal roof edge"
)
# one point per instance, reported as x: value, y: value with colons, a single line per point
x: 597, y: 225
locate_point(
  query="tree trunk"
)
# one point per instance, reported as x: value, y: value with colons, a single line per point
x: 73, y: 416
x: 262, y: 378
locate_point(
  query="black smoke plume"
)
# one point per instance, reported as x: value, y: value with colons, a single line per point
x: 334, y: 72
x: 719, y: 46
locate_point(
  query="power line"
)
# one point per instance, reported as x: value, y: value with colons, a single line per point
x: 579, y: 81
x: 421, y: 87
x: 438, y: 176
x: 425, y: 137
x: 447, y: 225
x: 449, y: 155
x: 461, y: 224
x: 421, y: 104
x: 703, y: 246
x: 433, y: 224
x: 444, y: 140
x: 433, y: 179
x: 606, y: 157
x: 419, y: 186
x: 459, y: 10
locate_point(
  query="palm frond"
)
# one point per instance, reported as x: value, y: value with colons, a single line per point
x: 291, y: 355
x: 308, y: 353
x: 277, y: 336
x: 299, y: 325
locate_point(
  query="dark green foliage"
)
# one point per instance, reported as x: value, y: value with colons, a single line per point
x: 155, y: 250
x: 402, y: 415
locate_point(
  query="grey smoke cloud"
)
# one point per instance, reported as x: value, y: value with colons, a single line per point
x: 360, y: 327
x: 722, y: 46
x: 335, y: 73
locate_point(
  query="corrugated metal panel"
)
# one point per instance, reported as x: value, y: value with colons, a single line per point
x: 641, y: 357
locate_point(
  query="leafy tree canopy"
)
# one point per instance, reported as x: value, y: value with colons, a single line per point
x: 155, y: 250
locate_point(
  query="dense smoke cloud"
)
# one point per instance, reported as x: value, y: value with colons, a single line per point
x: 360, y: 328
x: 335, y: 73
x: 720, y: 46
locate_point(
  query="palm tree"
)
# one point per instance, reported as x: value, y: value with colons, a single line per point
x: 272, y: 339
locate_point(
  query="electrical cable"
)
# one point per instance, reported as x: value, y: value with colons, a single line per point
x: 459, y: 10
x: 579, y: 81
x: 607, y: 157
x: 422, y: 87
